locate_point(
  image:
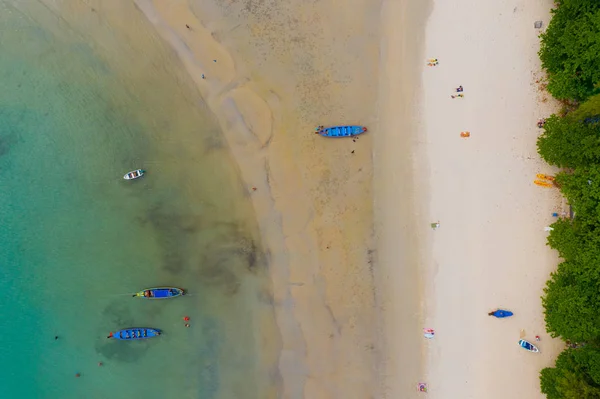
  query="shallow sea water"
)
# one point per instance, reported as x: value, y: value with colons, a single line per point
x: 78, y: 109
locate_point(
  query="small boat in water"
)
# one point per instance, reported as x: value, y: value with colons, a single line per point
x: 134, y: 174
x: 340, y: 131
x: 130, y: 334
x: 528, y: 346
x: 500, y: 313
x: 160, y: 293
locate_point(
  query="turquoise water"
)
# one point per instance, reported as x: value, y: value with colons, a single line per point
x: 77, y: 111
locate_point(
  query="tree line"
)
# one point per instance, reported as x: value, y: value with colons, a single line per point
x: 570, y: 56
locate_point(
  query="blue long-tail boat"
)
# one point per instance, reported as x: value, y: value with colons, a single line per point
x: 340, y: 131
x: 130, y: 334
x: 160, y: 293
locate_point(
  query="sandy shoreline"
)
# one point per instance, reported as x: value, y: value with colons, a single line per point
x: 269, y: 79
x: 312, y: 197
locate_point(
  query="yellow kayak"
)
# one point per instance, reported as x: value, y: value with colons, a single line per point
x: 542, y: 183
x: 544, y: 177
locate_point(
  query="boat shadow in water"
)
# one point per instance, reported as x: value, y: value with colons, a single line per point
x: 118, y: 315
x: 123, y: 351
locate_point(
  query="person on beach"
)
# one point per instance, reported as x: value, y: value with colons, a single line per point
x: 541, y: 122
x: 459, y: 89
x: 458, y: 95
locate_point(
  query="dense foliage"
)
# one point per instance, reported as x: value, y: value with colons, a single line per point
x: 570, y: 48
x: 570, y: 53
x: 572, y: 296
x: 569, y: 143
x: 576, y: 375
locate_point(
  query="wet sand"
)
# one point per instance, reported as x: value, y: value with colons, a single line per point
x: 272, y: 72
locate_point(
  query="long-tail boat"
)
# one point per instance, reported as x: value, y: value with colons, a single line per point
x: 130, y: 334
x: 340, y: 131
x: 160, y: 293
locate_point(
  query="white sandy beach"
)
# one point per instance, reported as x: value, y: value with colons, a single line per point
x: 489, y: 251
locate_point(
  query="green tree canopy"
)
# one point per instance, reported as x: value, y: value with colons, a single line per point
x: 569, y: 52
x: 571, y: 297
x: 570, y: 47
x: 575, y: 376
x: 582, y: 190
x: 569, y: 143
x: 574, y: 241
x: 571, y: 302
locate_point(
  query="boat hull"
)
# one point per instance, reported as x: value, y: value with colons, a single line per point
x: 160, y: 293
x: 135, y: 333
x: 134, y: 174
x: 501, y: 313
x: 341, y: 131
x: 528, y: 346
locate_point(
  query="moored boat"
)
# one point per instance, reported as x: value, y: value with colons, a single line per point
x: 134, y: 174
x: 135, y: 333
x: 340, y: 131
x: 160, y: 293
x: 528, y: 346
